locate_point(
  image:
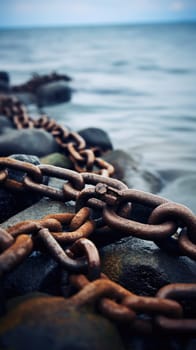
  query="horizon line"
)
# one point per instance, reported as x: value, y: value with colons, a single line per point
x: 99, y: 24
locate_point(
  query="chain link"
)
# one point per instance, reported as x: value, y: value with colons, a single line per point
x: 97, y: 198
x: 71, y: 143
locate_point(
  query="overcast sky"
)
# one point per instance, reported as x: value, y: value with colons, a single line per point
x: 65, y: 12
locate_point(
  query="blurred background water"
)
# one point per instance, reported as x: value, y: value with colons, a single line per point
x: 137, y: 82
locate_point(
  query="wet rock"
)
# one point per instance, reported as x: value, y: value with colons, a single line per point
x: 26, y: 98
x: 17, y: 174
x: 95, y: 137
x: 52, y: 93
x: 44, y: 207
x: 4, y: 82
x: 143, y: 268
x: 48, y: 323
x: 5, y: 124
x: 131, y: 171
x: 37, y: 273
x: 11, y: 202
x: 4, y: 76
x: 28, y: 141
x: 8, y: 204
x: 57, y: 159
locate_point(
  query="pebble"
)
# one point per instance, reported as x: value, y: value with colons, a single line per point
x: 53, y: 93
x: 27, y: 141
x: 96, y: 137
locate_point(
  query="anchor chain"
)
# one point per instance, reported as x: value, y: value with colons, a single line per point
x: 71, y: 143
x: 101, y: 204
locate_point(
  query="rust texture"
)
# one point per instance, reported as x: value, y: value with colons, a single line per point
x: 101, y: 203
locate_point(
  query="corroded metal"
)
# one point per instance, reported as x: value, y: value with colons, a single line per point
x: 58, y: 253
x: 71, y: 143
x: 86, y: 247
x: 98, y: 197
x: 6, y: 240
x: 15, y: 253
x: 177, y: 291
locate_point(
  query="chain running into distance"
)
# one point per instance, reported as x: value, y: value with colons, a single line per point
x: 71, y: 143
x: 168, y: 222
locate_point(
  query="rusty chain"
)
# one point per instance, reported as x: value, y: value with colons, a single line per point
x: 101, y: 204
x: 71, y: 143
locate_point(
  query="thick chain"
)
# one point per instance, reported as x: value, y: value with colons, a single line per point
x: 115, y: 201
x: 71, y: 143
x: 94, y: 193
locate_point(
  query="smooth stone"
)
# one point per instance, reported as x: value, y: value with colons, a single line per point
x: 4, y: 82
x: 4, y: 87
x: 44, y: 207
x: 26, y: 98
x: 37, y: 273
x: 5, y: 125
x: 143, y: 268
x: 8, y: 204
x: 57, y: 159
x: 11, y: 202
x: 52, y: 93
x: 96, y: 137
x: 4, y: 76
x: 18, y: 175
x: 45, y: 322
x: 27, y: 141
x: 131, y: 172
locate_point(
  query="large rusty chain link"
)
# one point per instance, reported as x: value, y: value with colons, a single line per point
x: 101, y: 204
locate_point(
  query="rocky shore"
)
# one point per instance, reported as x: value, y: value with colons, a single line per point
x: 36, y: 316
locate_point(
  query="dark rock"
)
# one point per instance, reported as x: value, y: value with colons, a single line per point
x: 44, y: 207
x: 143, y: 268
x: 52, y: 93
x: 8, y: 204
x: 17, y: 174
x: 28, y: 141
x: 36, y: 273
x: 4, y: 76
x: 4, y: 82
x: 26, y: 97
x: 95, y: 137
x: 45, y: 322
x: 11, y: 202
x: 5, y: 124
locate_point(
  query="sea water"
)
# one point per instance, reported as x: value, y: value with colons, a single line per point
x: 137, y: 82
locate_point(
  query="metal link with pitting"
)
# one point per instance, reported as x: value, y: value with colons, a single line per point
x: 114, y: 202
x: 102, y: 204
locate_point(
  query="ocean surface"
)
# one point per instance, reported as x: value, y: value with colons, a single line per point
x: 137, y: 82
